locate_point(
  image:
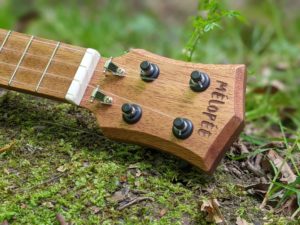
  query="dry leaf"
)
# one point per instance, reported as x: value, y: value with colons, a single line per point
x: 95, y: 209
x: 259, y: 189
x: 123, y: 179
x: 275, y: 144
x: 272, y: 87
x: 211, y: 207
x: 6, y: 171
x: 48, y: 205
x: 133, y: 166
x: 241, y: 221
x: 119, y: 196
x: 282, y: 66
x: 286, y: 171
x: 138, y: 173
x: 162, y: 212
x: 61, y: 169
x: 7, y: 147
x: 289, y: 207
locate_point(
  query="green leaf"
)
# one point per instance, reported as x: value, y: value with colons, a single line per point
x: 288, y: 187
x: 211, y: 26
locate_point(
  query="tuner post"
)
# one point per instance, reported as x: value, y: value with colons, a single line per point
x: 109, y: 66
x: 131, y: 113
x: 199, y: 81
x: 149, y: 71
x: 182, y: 128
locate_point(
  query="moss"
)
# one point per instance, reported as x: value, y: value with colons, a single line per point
x: 61, y: 163
x: 51, y: 172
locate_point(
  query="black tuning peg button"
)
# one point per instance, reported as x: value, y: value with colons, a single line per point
x: 199, y: 81
x: 182, y: 128
x: 131, y: 113
x: 149, y: 71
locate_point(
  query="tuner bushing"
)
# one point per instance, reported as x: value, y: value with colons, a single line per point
x: 149, y: 71
x: 199, y: 81
x: 131, y: 113
x: 182, y: 128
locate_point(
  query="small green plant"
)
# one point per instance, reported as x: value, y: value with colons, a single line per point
x: 211, y: 13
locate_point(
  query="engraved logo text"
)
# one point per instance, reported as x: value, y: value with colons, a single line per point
x: 218, y: 98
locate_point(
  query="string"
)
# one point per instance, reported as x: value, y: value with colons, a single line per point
x: 43, y: 42
x: 70, y: 80
x: 37, y: 71
x: 42, y: 57
x: 64, y: 63
x: 128, y: 100
x: 22, y: 83
x: 87, y: 99
x: 76, y: 66
x: 145, y: 107
x: 71, y: 64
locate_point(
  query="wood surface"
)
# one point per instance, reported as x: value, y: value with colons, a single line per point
x: 217, y: 113
x: 169, y: 97
x: 59, y: 75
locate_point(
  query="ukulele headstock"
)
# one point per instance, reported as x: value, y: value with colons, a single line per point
x: 162, y: 107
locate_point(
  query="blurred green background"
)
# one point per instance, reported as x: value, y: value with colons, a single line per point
x: 267, y: 41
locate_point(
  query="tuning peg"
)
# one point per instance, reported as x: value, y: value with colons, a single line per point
x: 131, y: 113
x: 149, y: 71
x: 199, y: 81
x: 182, y: 128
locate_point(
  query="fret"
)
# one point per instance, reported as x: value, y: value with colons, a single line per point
x: 5, y: 40
x: 47, y: 67
x: 44, y: 67
x: 33, y: 86
x: 20, y: 61
x: 75, y: 49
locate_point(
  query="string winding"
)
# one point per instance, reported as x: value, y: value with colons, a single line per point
x: 75, y: 67
x: 66, y: 63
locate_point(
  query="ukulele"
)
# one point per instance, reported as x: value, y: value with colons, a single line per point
x: 193, y: 111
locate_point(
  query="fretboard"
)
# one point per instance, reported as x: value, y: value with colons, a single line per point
x: 45, y: 68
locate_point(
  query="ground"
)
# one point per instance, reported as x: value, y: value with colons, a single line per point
x: 58, y: 161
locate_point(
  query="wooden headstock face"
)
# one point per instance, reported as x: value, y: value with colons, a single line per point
x: 217, y: 114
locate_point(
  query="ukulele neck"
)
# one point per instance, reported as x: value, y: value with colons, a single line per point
x: 45, y: 68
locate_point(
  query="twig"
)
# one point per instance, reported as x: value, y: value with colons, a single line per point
x: 48, y: 181
x: 296, y: 213
x: 7, y: 147
x: 61, y: 219
x: 256, y: 170
x: 134, y: 201
x: 216, y: 207
x: 42, y: 183
x: 258, y: 160
x: 243, y: 148
x: 139, y: 192
x: 266, y: 198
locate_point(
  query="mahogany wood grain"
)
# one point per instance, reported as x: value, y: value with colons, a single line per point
x: 217, y: 113
x: 169, y: 97
x: 58, y: 76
